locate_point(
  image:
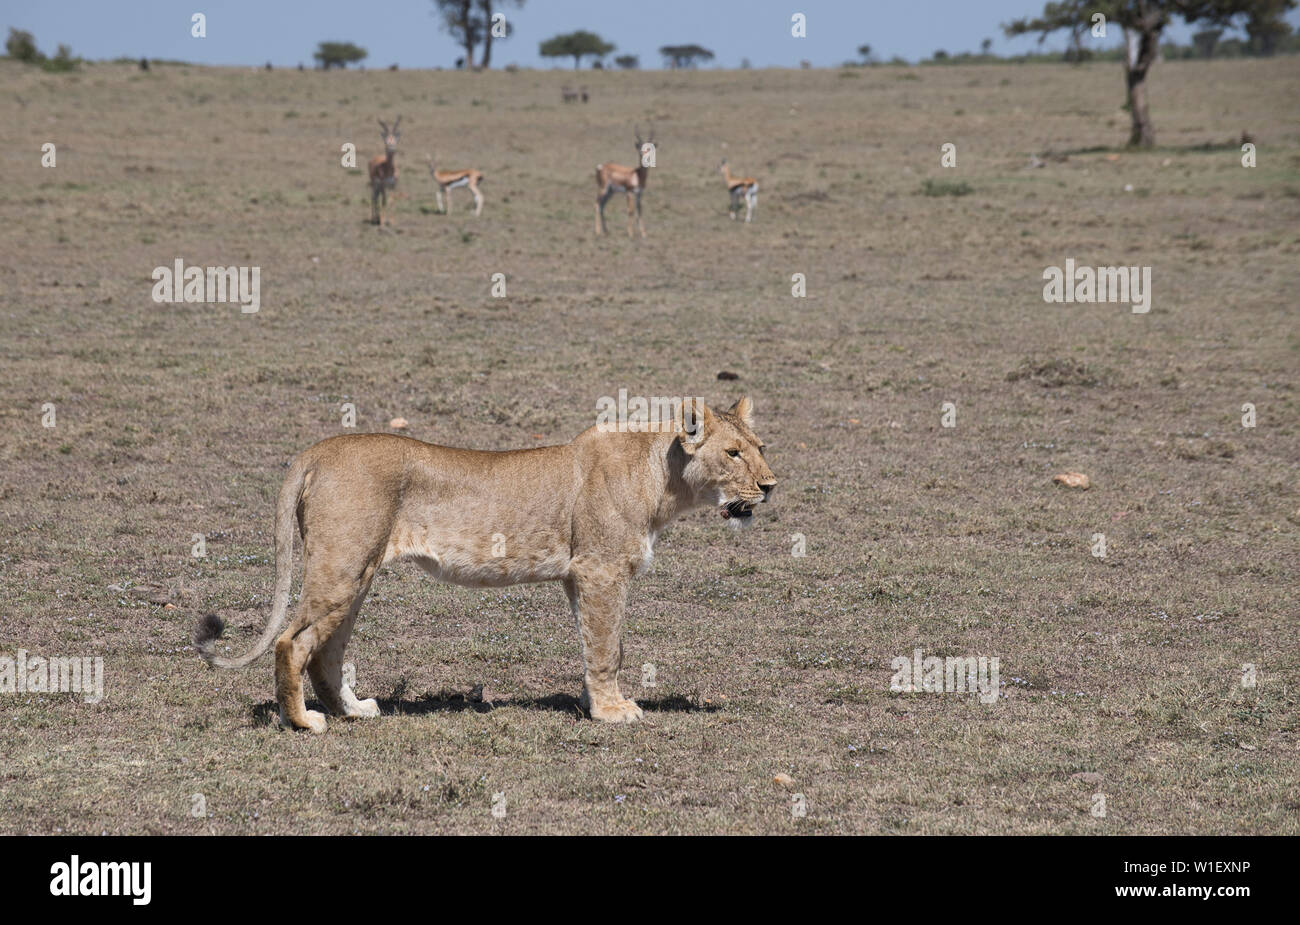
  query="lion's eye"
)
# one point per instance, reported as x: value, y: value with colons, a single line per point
x: 733, y: 453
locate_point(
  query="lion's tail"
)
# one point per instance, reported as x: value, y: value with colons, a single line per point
x: 286, y: 514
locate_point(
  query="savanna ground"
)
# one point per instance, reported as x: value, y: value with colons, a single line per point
x: 1122, y: 676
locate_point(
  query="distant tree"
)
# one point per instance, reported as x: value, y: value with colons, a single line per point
x: 941, y: 55
x: 461, y: 21
x: 864, y: 52
x: 21, y: 46
x: 575, y: 45
x: 1206, y: 40
x: 986, y: 46
x: 1143, y: 22
x: 469, y: 22
x: 628, y: 62
x: 683, y: 56
x: 63, y: 60
x: 338, y: 54
x: 1265, y: 25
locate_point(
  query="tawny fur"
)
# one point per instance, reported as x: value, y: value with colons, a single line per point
x: 447, y: 180
x: 745, y: 188
x: 585, y: 514
x: 615, y: 178
x: 383, y: 172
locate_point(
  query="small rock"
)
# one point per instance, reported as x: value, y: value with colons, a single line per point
x: 1091, y: 778
x: 398, y: 424
x: 726, y: 375
x: 1072, y: 480
x: 785, y: 780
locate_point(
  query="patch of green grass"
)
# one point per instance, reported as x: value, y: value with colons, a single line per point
x: 932, y: 187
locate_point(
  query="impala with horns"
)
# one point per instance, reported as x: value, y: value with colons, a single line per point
x: 741, y: 188
x: 383, y: 171
x: 449, y: 180
x: 615, y: 178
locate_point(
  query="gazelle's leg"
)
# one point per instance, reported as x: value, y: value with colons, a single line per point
x: 374, y: 204
x: 751, y: 200
x: 631, y: 210
x: 601, y: 199
x: 439, y: 195
x: 478, y: 199
x: 639, y: 223
x: 449, y: 200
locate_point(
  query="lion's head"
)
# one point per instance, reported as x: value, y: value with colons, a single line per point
x: 724, y: 460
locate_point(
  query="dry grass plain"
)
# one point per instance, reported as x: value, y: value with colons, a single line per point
x: 179, y: 419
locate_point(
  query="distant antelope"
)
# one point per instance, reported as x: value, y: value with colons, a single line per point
x: 615, y: 178
x: 383, y: 171
x: 448, y: 180
x: 741, y: 188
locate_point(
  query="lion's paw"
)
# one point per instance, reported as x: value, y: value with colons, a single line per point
x: 315, y: 721
x: 619, y: 711
x: 365, y: 709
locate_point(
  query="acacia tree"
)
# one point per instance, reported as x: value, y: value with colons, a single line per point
x: 337, y: 54
x: 575, y: 45
x: 679, y: 56
x: 1143, y: 22
x: 469, y: 22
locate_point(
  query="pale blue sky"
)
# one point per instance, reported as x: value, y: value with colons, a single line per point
x: 285, y: 32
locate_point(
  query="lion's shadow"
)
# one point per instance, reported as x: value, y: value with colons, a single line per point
x: 397, y: 704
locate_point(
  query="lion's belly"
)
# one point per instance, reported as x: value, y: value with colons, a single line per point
x: 481, y: 559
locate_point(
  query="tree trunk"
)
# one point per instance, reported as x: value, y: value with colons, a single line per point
x: 1136, y: 65
x: 486, y: 6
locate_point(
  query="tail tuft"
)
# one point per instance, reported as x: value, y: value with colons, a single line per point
x: 206, y: 633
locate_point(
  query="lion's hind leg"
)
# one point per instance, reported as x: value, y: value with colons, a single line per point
x: 326, y: 671
x: 309, y: 643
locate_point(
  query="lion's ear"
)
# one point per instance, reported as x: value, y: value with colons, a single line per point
x: 743, y: 409
x: 697, y: 421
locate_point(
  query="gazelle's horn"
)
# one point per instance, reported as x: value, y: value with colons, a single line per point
x: 382, y: 125
x: 397, y: 123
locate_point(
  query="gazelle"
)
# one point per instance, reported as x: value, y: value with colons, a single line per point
x: 615, y: 178
x: 383, y: 171
x: 448, y: 180
x: 741, y: 187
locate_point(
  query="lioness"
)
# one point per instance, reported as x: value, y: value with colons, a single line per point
x: 586, y: 514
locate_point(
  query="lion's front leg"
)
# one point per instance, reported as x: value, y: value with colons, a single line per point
x: 598, y: 600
